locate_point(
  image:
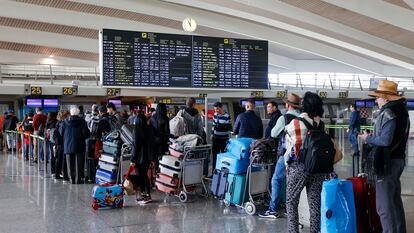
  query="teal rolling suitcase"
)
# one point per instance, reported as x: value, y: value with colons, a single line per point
x: 236, y: 189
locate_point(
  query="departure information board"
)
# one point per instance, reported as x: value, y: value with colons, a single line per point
x: 146, y: 59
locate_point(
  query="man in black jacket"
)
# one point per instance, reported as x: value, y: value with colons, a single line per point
x: 248, y: 124
x: 390, y: 138
x: 10, y: 123
x: 104, y: 126
x: 274, y: 116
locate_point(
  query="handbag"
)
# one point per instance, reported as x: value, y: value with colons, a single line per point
x: 338, y: 153
x: 128, y: 185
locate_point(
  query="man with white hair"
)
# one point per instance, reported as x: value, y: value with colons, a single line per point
x: 75, y: 132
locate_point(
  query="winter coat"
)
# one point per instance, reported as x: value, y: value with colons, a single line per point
x: 75, y: 132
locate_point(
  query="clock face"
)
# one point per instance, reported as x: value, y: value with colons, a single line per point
x: 189, y: 25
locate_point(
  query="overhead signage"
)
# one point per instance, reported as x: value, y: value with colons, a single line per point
x: 36, y: 90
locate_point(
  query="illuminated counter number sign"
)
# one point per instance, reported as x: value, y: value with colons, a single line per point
x: 165, y: 101
x: 323, y: 94
x: 36, y: 90
x: 281, y: 94
x: 257, y: 94
x: 343, y: 94
x: 202, y: 95
x: 112, y: 91
x: 69, y: 91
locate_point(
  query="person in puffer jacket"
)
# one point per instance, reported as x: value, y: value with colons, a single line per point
x: 192, y: 119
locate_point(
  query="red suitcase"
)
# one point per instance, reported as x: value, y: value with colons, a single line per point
x: 167, y: 184
x: 367, y: 217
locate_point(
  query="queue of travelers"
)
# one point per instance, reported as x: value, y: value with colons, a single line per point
x: 68, y: 131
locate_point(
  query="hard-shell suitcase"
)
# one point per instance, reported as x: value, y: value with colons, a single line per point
x: 239, y: 147
x: 176, y: 153
x: 108, y: 166
x: 219, y: 182
x: 110, y: 196
x: 105, y: 177
x: 91, y: 162
x: 112, y: 148
x: 368, y: 220
x: 167, y: 184
x: 236, y: 191
x: 127, y: 134
x: 109, y: 159
x: 232, y: 163
x: 170, y: 166
x: 338, y: 207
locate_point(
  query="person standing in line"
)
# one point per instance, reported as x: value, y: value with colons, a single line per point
x: 353, y: 129
x: 390, y: 136
x: 278, y: 182
x: 161, y: 127
x: 248, y: 124
x: 10, y: 123
x: 60, y: 167
x: 221, y: 130
x: 297, y: 177
x: 39, y: 125
x: 192, y: 118
x: 51, y: 126
x: 274, y: 113
x: 115, y: 118
x: 28, y: 141
x: 75, y: 132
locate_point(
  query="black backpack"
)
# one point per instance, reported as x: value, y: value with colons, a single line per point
x: 28, y: 125
x: 318, y: 151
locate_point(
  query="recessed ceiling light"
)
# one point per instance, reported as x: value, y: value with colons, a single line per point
x: 51, y: 56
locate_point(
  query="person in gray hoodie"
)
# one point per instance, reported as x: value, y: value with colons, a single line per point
x: 192, y: 117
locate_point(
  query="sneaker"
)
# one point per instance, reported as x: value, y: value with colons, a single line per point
x: 269, y: 214
x: 144, y: 200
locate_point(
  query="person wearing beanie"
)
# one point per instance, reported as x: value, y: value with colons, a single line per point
x: 75, y: 132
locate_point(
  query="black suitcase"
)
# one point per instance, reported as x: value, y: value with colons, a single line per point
x: 91, y: 162
x: 219, y: 183
x: 127, y: 134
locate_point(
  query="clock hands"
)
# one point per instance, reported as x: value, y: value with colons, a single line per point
x: 189, y: 22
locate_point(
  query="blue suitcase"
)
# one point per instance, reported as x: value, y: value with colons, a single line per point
x: 239, y: 147
x: 236, y: 190
x: 232, y: 163
x: 338, y: 212
x: 109, y: 196
x: 219, y: 183
x: 105, y: 177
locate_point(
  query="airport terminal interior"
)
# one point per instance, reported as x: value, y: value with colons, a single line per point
x: 136, y: 56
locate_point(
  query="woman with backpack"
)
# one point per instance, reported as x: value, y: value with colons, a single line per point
x: 298, y: 175
x: 28, y: 142
x: 50, y: 131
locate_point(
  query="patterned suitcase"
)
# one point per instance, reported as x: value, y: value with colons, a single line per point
x: 167, y: 184
x: 109, y: 159
x: 105, y: 177
x: 171, y: 166
x: 107, y: 196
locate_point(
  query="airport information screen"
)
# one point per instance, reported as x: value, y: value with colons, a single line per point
x: 146, y: 59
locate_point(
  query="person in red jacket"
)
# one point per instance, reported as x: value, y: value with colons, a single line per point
x: 39, y: 125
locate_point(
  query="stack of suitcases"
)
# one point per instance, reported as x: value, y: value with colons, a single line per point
x: 171, y: 166
x: 109, y: 161
x: 229, y: 176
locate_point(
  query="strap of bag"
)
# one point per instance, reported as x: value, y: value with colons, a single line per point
x: 298, y: 136
x: 130, y: 170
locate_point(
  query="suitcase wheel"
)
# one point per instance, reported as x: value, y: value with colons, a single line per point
x: 183, y: 196
x: 95, y: 206
x: 250, y: 208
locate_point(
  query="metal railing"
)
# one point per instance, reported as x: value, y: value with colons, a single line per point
x: 34, y: 142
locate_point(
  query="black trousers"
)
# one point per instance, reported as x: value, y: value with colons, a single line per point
x: 75, y: 163
x: 142, y: 170
x: 219, y: 145
x: 60, y: 163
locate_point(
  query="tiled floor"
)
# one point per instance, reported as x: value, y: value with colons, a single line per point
x: 31, y: 203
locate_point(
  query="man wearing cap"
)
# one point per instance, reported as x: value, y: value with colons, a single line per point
x: 220, y: 131
x: 278, y: 182
x: 248, y: 124
x: 390, y: 136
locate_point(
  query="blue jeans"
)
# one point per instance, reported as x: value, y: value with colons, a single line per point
x: 278, y: 185
x: 353, y: 139
x: 26, y: 151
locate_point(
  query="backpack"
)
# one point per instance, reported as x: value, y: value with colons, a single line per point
x: 93, y: 125
x: 115, y: 121
x: 281, y: 148
x: 318, y: 151
x: 28, y: 125
x: 263, y: 150
x: 177, y: 126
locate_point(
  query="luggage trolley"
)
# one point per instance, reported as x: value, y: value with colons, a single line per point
x: 257, y: 180
x: 192, y: 170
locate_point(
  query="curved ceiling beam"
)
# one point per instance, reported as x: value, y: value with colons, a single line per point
x: 380, y: 10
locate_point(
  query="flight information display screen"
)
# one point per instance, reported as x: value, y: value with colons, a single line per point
x: 146, y: 59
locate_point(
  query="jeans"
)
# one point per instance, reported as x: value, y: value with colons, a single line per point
x: 353, y: 139
x: 278, y: 185
x: 11, y: 141
x: 51, y: 156
x: 28, y: 147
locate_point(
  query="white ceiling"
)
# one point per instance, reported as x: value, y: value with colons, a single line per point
x: 302, y: 37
